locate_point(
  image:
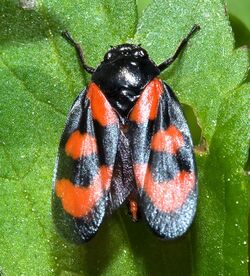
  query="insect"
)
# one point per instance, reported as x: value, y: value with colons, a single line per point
x: 125, y: 140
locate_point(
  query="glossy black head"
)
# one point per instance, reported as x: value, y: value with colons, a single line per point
x: 123, y: 74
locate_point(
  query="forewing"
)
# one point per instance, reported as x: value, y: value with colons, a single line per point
x: 163, y: 161
x: 84, y: 166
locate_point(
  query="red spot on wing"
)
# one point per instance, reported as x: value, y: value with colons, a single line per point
x: 166, y: 196
x: 79, y: 201
x: 169, y: 140
x: 147, y: 105
x: 80, y: 145
x: 140, y: 172
x: 101, y: 108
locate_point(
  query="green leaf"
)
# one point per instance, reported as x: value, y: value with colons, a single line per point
x: 242, y: 36
x: 141, y: 5
x: 221, y: 227
x: 240, y: 9
x: 40, y: 77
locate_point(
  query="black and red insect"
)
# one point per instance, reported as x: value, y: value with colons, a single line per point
x: 125, y: 140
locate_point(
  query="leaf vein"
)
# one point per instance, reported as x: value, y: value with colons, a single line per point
x: 55, y: 49
x: 26, y: 88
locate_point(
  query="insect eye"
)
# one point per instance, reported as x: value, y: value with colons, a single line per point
x: 111, y: 55
x: 108, y: 56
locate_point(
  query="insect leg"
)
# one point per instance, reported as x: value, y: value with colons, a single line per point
x: 78, y: 48
x: 182, y: 45
x: 133, y: 209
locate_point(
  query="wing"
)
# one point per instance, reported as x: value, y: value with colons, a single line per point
x: 163, y: 161
x: 84, y: 166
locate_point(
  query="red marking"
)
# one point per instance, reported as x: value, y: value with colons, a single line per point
x: 79, y: 201
x: 101, y: 108
x: 169, y: 140
x: 133, y: 208
x: 140, y: 172
x: 166, y: 196
x: 80, y: 145
x: 147, y: 105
